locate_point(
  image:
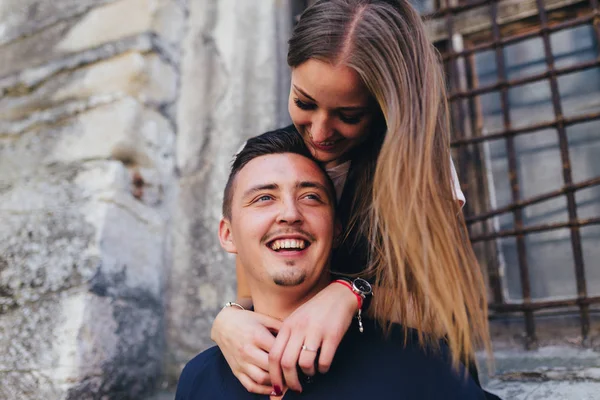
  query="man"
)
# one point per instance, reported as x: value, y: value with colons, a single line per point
x: 279, y: 218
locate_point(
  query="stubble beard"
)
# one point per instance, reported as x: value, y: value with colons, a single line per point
x: 290, y: 278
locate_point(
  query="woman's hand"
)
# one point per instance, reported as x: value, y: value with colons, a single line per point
x: 245, y: 340
x: 320, y: 323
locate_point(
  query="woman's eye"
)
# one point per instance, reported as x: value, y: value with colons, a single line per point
x: 352, y: 120
x: 303, y: 105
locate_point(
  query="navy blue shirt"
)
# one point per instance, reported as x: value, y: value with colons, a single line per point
x: 365, y: 366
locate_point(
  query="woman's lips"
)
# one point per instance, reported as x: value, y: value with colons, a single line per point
x: 326, y: 146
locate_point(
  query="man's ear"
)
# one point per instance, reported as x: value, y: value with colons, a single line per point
x: 337, y: 233
x: 226, y: 236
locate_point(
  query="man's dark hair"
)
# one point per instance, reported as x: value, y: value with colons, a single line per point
x: 279, y: 141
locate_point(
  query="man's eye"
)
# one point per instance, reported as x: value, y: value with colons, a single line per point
x: 264, y: 198
x: 303, y: 105
x: 312, y: 196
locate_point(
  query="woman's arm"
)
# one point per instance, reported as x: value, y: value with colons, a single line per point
x: 320, y: 323
x: 245, y: 339
x: 243, y: 291
x: 251, y: 350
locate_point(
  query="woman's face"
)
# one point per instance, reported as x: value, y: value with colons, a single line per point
x: 331, y: 108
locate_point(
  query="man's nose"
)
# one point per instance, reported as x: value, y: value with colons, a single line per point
x: 289, y: 213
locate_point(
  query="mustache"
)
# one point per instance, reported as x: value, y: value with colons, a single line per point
x: 290, y: 231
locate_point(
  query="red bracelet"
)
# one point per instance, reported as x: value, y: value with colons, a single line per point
x: 349, y: 286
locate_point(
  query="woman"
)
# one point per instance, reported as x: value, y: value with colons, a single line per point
x: 368, y: 97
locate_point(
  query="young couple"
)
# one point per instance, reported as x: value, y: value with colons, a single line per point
x: 368, y: 99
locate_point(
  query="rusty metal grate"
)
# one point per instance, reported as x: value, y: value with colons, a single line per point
x: 464, y: 91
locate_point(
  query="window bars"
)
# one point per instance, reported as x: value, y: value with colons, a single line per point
x: 468, y: 135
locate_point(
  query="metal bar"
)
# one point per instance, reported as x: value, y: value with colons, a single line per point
x: 541, y: 305
x: 536, y: 229
x: 596, y: 23
x: 533, y: 200
x: 514, y: 181
x: 506, y: 41
x: 458, y: 8
x: 456, y: 109
x: 528, y: 79
x: 490, y: 248
x: 567, y: 176
x: 513, y: 15
x: 526, y: 129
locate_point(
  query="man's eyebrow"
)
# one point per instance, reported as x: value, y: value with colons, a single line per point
x: 259, y: 188
x: 315, y: 185
x: 349, y: 108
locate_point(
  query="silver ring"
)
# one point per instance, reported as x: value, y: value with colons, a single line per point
x: 309, y: 349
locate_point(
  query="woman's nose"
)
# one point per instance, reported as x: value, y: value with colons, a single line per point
x: 320, y: 129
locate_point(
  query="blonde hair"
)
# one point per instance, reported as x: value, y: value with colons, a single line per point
x: 420, y: 254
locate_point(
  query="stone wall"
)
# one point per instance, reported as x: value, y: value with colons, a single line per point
x: 118, y: 119
x: 87, y: 182
x: 235, y: 83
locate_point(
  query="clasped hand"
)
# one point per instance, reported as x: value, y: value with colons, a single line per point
x: 264, y: 353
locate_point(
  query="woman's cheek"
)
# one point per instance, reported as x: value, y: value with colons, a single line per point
x: 357, y: 132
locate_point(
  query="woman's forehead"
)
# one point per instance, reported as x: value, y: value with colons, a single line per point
x: 334, y: 85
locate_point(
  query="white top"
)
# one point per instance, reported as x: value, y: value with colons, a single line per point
x: 339, y: 173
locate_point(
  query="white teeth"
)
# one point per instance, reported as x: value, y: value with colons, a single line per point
x: 288, y: 244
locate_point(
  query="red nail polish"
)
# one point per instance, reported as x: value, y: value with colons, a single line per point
x: 277, y: 390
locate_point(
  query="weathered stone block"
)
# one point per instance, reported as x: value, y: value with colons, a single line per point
x: 86, y: 187
x: 102, y: 25
x: 147, y: 78
x: 64, y: 230
x: 131, y: 248
x: 80, y: 216
x: 24, y: 17
x: 81, y: 277
x: 124, y: 131
x: 78, y: 345
x: 42, y: 251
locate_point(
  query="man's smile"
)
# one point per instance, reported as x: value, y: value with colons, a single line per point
x: 288, y: 244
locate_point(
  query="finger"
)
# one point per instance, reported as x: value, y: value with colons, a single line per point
x: 252, y: 386
x: 270, y: 323
x: 307, y: 358
x: 257, y: 357
x: 264, y: 339
x: 275, y: 357
x: 289, y: 362
x: 259, y: 376
x: 328, y: 349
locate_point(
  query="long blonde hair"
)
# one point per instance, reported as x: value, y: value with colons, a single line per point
x: 420, y: 254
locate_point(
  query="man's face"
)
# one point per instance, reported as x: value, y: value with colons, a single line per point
x: 282, y: 220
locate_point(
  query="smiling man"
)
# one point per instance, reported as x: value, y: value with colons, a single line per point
x: 278, y: 211
x: 279, y: 218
